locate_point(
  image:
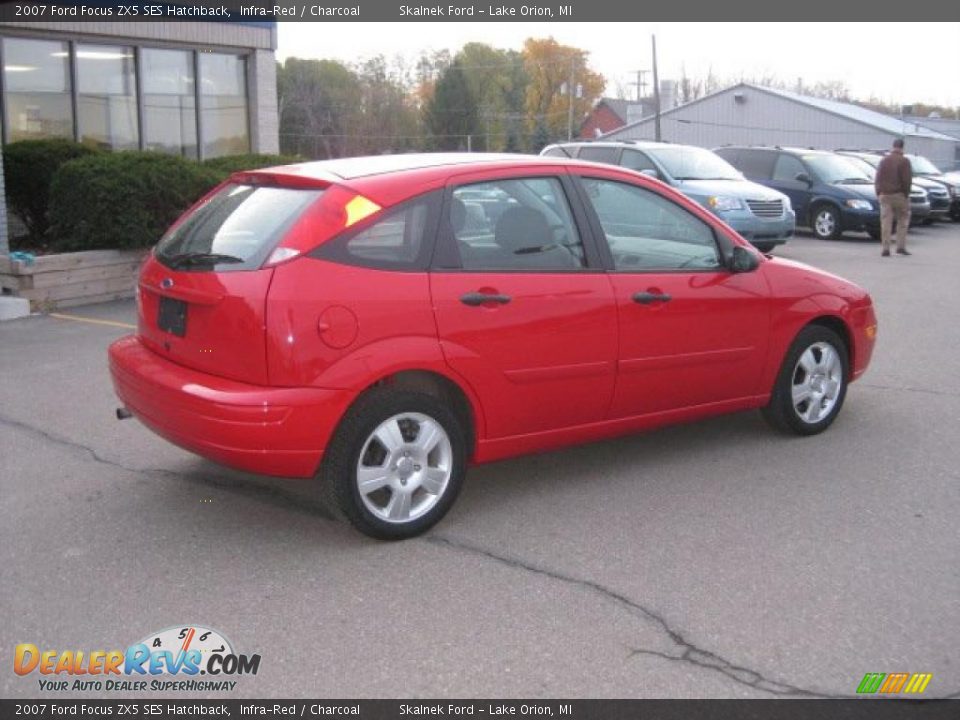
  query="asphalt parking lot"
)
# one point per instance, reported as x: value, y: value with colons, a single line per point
x: 711, y: 560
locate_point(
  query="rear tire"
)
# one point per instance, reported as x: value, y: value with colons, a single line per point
x: 395, y: 464
x: 812, y: 383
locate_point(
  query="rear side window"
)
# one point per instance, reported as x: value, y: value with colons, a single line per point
x: 756, y: 163
x: 601, y: 154
x: 558, y: 152
x: 236, y: 229
x: 396, y: 240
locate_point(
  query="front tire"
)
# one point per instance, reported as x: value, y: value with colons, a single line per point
x: 825, y: 222
x: 812, y: 383
x: 765, y: 247
x: 396, y: 463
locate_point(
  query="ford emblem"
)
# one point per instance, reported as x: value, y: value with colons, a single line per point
x: 167, y: 283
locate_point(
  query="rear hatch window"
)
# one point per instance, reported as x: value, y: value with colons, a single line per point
x: 235, y: 229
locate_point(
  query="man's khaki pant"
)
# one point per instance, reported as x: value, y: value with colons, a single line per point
x: 894, y: 205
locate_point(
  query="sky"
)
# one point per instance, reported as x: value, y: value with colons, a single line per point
x: 895, y: 62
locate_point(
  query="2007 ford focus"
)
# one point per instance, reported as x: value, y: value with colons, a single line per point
x: 382, y: 323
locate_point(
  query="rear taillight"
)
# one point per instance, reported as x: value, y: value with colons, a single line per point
x: 336, y: 210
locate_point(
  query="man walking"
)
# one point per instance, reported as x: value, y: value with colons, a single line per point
x: 892, y: 184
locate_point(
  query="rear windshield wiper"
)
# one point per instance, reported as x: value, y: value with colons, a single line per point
x: 199, y: 258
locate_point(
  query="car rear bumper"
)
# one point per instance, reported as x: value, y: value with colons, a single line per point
x: 265, y: 430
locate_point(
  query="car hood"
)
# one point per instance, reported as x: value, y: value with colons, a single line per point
x: 942, y: 179
x: 828, y: 282
x: 865, y: 191
x: 926, y: 182
x: 743, y: 189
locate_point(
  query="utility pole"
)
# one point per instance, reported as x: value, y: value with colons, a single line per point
x: 656, y: 91
x: 571, y: 90
x: 641, y: 83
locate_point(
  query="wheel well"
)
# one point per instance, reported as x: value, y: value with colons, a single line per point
x: 841, y: 329
x: 430, y: 383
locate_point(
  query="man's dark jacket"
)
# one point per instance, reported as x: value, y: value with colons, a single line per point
x: 893, y: 175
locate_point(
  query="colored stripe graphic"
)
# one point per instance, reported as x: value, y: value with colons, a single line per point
x: 894, y: 683
x: 870, y: 683
x: 918, y: 683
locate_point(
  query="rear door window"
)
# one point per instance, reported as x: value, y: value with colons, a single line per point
x: 235, y: 229
x: 522, y: 224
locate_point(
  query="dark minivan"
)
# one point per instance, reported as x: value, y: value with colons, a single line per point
x: 830, y: 194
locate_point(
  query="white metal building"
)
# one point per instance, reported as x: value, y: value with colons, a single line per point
x: 748, y: 114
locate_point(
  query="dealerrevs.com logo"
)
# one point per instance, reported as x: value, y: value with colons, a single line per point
x: 169, y: 660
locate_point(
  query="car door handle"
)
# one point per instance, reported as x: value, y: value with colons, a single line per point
x: 645, y: 298
x: 475, y: 299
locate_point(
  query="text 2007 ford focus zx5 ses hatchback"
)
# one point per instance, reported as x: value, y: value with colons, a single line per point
x: 383, y: 322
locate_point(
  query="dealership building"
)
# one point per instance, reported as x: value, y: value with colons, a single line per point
x: 196, y: 89
x: 747, y: 114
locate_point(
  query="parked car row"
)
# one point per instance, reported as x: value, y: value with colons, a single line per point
x: 762, y: 215
x: 763, y: 192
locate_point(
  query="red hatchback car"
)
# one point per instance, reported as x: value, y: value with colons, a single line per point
x: 383, y: 322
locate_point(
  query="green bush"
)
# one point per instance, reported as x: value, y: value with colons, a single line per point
x: 28, y: 168
x: 122, y: 200
x: 235, y: 163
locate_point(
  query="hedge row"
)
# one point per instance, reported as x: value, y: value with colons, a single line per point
x: 71, y: 197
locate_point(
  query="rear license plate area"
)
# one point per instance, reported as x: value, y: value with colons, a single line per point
x: 172, y: 316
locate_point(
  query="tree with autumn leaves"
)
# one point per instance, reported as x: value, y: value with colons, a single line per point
x: 482, y: 97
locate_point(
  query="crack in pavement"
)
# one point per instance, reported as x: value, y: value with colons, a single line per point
x: 925, y: 391
x: 238, y: 486
x: 690, y: 653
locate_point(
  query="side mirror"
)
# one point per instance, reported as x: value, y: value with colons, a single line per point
x: 743, y: 260
x: 804, y: 178
x: 650, y: 172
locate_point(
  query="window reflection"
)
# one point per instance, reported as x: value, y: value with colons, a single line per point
x: 36, y: 78
x: 106, y: 96
x: 169, y: 103
x: 223, y: 104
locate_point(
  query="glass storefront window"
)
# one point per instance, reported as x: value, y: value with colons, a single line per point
x: 223, y: 105
x: 107, y: 96
x: 169, y: 102
x: 36, y: 80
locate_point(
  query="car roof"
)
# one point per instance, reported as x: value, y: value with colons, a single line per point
x: 364, y: 166
x: 387, y: 179
x: 644, y: 144
x: 779, y: 148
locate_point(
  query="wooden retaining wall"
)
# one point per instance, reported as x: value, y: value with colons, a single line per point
x: 70, y: 279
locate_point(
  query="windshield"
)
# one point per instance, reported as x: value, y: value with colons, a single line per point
x: 236, y: 229
x: 836, y: 169
x: 689, y: 163
x: 921, y: 166
x: 869, y: 169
